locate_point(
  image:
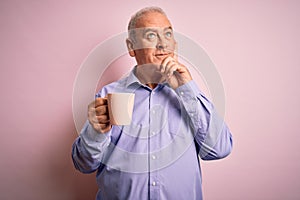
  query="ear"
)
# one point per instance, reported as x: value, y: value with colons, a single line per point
x: 129, y: 44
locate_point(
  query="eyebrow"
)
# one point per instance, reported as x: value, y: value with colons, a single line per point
x: 149, y: 30
x: 170, y: 27
x: 155, y: 30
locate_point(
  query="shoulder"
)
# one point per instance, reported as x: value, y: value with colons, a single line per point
x: 113, y: 87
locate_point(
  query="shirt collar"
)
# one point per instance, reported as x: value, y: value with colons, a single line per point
x: 132, y: 79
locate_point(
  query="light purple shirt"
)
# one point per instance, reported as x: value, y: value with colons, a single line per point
x: 157, y: 155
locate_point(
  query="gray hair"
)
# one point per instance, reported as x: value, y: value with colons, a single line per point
x: 137, y: 15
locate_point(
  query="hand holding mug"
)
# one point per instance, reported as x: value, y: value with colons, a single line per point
x: 98, y: 115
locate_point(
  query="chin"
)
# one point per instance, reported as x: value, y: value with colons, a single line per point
x: 157, y: 62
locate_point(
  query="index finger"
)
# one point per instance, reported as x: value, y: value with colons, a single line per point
x: 100, y: 101
x: 176, y: 52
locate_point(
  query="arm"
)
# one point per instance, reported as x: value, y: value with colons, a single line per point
x: 212, y: 136
x: 89, y: 148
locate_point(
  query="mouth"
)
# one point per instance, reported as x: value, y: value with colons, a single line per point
x: 162, y: 55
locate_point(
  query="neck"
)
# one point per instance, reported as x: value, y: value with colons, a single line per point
x: 152, y: 85
x: 149, y: 75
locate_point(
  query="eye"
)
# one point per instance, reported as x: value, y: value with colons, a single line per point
x: 169, y: 34
x: 151, y: 35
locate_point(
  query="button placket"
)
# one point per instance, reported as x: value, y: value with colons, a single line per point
x: 153, y: 130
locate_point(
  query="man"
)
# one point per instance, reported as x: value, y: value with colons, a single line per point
x: 173, y: 124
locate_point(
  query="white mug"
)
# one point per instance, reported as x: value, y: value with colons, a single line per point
x: 120, y: 107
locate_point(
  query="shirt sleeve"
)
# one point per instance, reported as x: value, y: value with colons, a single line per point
x: 212, y: 136
x: 89, y: 148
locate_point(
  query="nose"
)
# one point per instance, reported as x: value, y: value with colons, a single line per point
x: 161, y: 44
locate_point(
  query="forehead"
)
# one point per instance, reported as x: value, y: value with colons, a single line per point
x: 153, y: 19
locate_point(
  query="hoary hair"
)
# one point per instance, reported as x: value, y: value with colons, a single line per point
x: 137, y: 15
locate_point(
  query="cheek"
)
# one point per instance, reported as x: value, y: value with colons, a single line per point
x: 148, y: 53
x: 145, y: 52
x: 145, y: 55
x: 172, y: 45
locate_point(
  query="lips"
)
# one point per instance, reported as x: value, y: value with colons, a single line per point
x: 162, y: 55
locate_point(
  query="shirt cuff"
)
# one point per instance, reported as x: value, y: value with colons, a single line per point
x: 188, y: 94
x: 91, y: 134
x: 188, y: 91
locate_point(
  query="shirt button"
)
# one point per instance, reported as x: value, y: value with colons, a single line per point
x: 153, y: 157
x: 152, y: 133
x: 154, y: 183
x: 182, y: 93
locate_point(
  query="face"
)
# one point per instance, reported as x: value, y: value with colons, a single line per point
x: 154, y: 39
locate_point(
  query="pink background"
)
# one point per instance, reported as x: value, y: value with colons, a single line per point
x: 255, y: 46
